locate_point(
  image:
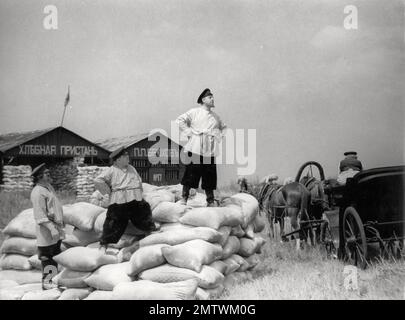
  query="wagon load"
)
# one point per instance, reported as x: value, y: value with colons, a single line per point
x: 196, y: 249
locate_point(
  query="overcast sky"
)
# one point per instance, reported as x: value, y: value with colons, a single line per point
x: 288, y: 69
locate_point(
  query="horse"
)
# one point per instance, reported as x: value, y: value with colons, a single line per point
x: 290, y: 200
x: 318, y: 203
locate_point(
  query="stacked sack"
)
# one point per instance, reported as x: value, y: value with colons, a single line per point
x: 18, y: 259
x: 17, y: 178
x: 203, y: 244
x: 64, y: 175
x: 196, y: 254
x: 85, y: 181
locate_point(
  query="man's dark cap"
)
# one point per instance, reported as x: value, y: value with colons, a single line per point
x: 205, y: 93
x: 118, y: 153
x: 347, y: 153
x: 38, y: 170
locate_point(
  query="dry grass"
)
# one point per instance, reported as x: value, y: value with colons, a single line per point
x: 285, y: 273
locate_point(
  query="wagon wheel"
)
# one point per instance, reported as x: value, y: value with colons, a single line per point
x: 310, y: 164
x: 354, y: 237
x: 326, y: 238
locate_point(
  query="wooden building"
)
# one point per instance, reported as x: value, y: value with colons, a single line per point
x: 155, y: 156
x: 51, y: 145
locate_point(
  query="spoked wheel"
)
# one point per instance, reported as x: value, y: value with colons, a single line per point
x: 354, y: 238
x: 326, y: 238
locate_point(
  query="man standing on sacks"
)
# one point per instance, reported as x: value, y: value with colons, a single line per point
x: 204, y: 129
x: 124, y: 185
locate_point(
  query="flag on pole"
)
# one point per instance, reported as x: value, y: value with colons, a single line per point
x: 67, y: 99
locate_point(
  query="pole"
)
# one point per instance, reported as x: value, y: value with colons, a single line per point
x: 63, y: 116
x: 66, y: 103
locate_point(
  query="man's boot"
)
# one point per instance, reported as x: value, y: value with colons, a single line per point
x: 210, y: 198
x: 184, y: 195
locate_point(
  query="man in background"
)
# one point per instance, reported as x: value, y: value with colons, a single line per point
x: 349, y: 167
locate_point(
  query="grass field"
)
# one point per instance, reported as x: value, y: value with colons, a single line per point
x: 283, y: 272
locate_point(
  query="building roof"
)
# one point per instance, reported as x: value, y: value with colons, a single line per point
x: 11, y: 140
x: 112, y: 144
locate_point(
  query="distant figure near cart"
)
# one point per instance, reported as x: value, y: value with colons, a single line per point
x: 48, y: 214
x: 203, y: 128
x: 349, y: 167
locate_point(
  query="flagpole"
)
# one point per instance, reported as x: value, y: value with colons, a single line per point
x: 66, y: 103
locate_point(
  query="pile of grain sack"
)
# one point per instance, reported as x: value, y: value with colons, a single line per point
x: 17, y: 178
x: 64, y: 174
x: 197, y: 253
x: 85, y: 181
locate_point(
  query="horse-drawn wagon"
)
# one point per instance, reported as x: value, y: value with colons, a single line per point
x: 364, y: 218
x: 371, y: 214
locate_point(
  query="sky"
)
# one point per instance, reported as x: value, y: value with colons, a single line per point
x: 289, y: 69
